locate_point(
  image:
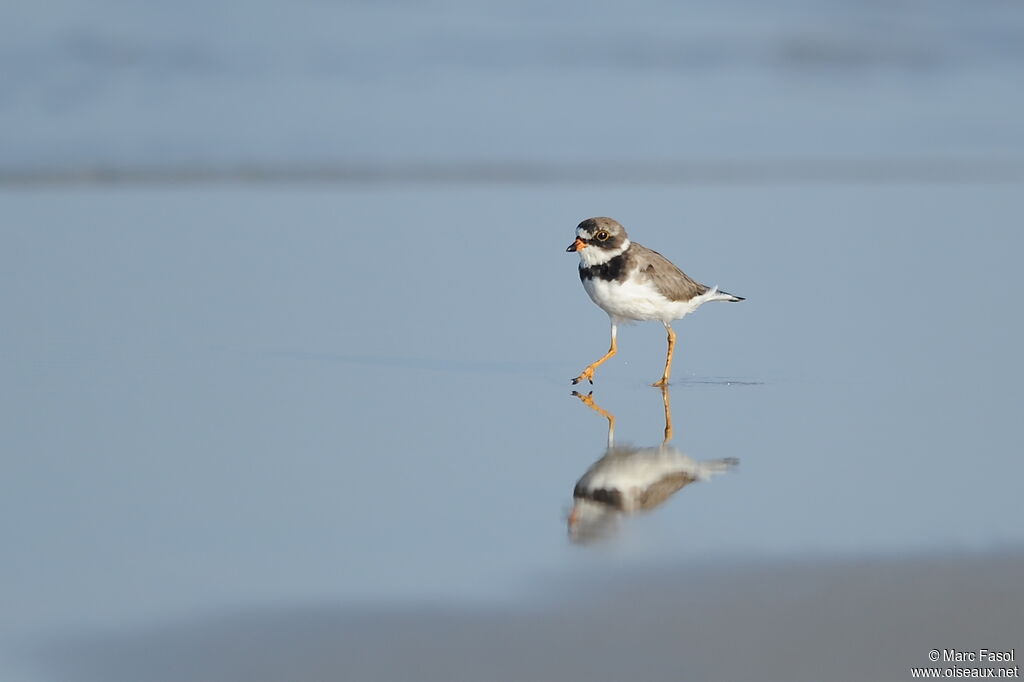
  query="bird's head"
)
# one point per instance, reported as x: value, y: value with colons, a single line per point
x: 598, y: 240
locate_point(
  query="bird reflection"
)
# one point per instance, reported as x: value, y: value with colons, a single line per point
x: 631, y: 480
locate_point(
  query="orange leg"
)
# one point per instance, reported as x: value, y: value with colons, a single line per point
x: 588, y: 400
x: 588, y: 373
x: 668, y: 359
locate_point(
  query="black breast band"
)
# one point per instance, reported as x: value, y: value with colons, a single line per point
x: 609, y: 271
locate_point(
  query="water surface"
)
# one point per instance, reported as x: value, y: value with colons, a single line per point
x: 220, y: 400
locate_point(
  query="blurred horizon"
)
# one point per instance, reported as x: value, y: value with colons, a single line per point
x: 106, y: 88
x: 834, y: 171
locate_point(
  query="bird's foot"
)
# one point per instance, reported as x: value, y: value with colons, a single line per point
x: 587, y: 374
x: 661, y: 383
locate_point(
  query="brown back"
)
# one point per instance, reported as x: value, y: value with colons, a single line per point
x: 673, y: 283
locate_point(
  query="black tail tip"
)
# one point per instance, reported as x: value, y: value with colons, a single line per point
x: 735, y: 298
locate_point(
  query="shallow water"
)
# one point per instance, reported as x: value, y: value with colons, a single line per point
x: 228, y: 399
x: 286, y: 380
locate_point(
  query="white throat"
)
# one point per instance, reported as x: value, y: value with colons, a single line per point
x: 592, y: 255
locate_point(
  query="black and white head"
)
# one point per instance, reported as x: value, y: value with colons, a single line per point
x: 598, y: 240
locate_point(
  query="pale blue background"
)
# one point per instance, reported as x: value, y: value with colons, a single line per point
x: 228, y: 397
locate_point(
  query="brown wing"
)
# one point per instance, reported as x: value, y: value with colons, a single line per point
x: 663, y: 489
x: 673, y: 283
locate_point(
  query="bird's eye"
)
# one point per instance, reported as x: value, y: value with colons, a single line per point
x: 602, y: 235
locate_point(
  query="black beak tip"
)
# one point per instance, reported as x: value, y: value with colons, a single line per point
x: 570, y: 248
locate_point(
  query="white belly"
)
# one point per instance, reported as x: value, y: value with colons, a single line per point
x: 639, y: 300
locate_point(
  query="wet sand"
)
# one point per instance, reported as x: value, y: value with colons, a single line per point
x: 829, y: 619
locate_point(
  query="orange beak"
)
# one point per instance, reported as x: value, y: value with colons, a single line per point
x: 574, y: 517
x: 576, y: 245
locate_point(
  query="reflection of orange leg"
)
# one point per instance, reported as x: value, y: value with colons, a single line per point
x: 588, y: 400
x: 588, y: 373
x: 668, y: 359
x: 668, y: 415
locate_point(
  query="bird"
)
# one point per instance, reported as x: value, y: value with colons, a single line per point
x: 633, y: 283
x: 629, y: 480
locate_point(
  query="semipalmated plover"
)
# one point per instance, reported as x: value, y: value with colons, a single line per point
x: 631, y: 480
x: 631, y: 282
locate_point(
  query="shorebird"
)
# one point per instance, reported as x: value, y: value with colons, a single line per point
x: 631, y: 282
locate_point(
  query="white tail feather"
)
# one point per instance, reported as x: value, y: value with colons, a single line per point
x: 715, y: 295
